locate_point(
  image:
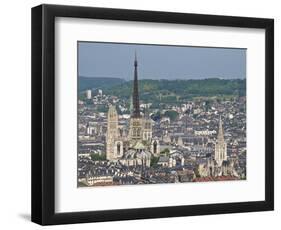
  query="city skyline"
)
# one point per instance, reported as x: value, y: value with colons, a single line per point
x: 152, y: 132
x: 96, y: 59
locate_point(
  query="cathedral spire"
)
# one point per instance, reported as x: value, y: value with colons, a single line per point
x: 220, y: 132
x: 136, y: 103
x: 136, y: 61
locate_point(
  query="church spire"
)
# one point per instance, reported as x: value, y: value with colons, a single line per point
x: 136, y: 61
x: 220, y: 132
x: 136, y: 103
x: 221, y: 146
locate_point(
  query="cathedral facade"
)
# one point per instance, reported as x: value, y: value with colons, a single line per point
x: 137, y: 146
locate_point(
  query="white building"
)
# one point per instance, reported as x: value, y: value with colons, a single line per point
x: 204, y: 132
x: 88, y: 94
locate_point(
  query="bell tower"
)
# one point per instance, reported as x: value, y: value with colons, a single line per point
x: 112, y: 132
x: 147, y: 126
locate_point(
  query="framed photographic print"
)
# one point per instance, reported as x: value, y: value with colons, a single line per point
x: 142, y: 114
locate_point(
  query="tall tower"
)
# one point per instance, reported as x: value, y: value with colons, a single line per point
x: 112, y: 132
x: 221, y: 146
x: 136, y: 121
x: 136, y: 103
x: 147, y: 126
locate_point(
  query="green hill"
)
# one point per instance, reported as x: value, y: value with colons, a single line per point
x: 98, y: 82
x: 166, y: 91
x: 177, y: 90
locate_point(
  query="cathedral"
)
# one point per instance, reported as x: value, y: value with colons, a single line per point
x: 137, y: 146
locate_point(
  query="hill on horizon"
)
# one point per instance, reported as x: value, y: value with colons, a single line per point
x: 172, y: 89
x: 166, y: 90
x: 98, y: 82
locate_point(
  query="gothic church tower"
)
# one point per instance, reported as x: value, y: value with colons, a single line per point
x: 147, y: 126
x: 220, y: 147
x: 112, y: 132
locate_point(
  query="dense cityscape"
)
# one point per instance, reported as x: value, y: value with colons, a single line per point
x: 134, y: 141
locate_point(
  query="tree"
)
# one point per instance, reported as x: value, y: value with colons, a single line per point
x: 97, y: 157
x: 207, y: 105
x: 173, y: 115
x: 102, y: 108
x: 153, y: 161
x: 156, y: 116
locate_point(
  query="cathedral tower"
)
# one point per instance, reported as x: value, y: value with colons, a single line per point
x: 220, y: 147
x: 147, y: 126
x: 112, y: 132
x: 136, y: 121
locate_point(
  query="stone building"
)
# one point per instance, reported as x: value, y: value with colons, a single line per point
x: 219, y: 164
x: 220, y: 147
x: 138, y: 146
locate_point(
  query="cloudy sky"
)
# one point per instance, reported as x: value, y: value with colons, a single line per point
x: 160, y: 62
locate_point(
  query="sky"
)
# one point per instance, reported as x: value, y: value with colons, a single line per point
x: 96, y: 59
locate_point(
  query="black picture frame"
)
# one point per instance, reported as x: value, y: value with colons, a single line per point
x: 43, y: 114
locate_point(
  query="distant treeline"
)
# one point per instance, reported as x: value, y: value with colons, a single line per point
x: 98, y: 82
x: 168, y: 90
